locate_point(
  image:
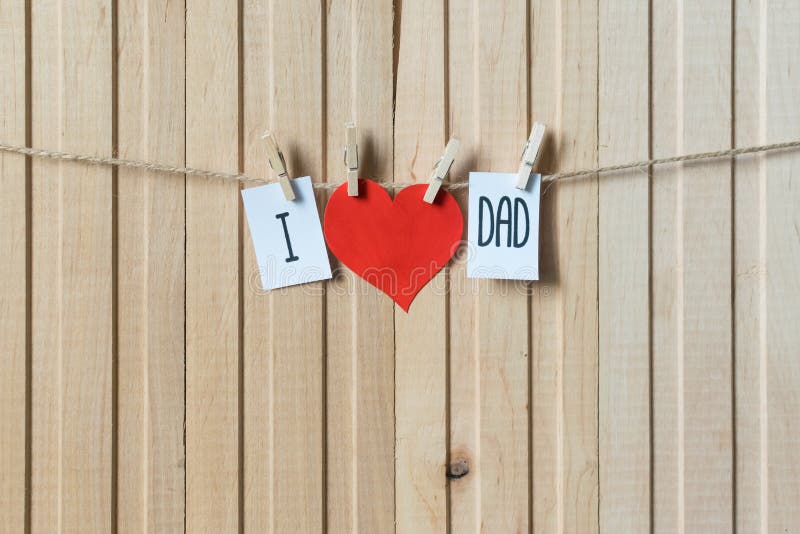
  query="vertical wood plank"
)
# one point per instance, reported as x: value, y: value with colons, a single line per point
x: 564, y: 322
x: 212, y: 269
x: 13, y: 269
x: 360, y: 325
x: 72, y: 269
x: 749, y: 272
x: 780, y: 224
x: 546, y: 406
x: 664, y: 245
x: 463, y: 371
x: 780, y: 228
x: 502, y: 90
x: 488, y: 371
x: 421, y: 334
x: 258, y: 356
x: 700, y: 283
x: 298, y: 313
x: 704, y: 213
x: 624, y: 270
x: 150, y: 471
x: 767, y: 255
x: 576, y: 223
x: 704, y: 204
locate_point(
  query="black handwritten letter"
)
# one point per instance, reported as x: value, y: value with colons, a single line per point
x: 519, y: 203
x: 481, y: 202
x: 504, y: 201
x: 282, y: 217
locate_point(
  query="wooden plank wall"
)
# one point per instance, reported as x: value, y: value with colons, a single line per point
x: 648, y: 383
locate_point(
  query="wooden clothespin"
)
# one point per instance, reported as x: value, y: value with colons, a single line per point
x: 278, y: 164
x: 441, y: 169
x: 351, y: 159
x: 529, y: 155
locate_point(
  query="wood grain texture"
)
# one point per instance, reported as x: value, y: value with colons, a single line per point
x: 692, y: 325
x: 13, y: 269
x: 546, y: 403
x: 564, y: 307
x: 704, y: 230
x: 488, y: 371
x: 258, y: 356
x: 749, y: 275
x: 298, y: 313
x: 421, y: 335
x: 360, y: 327
x: 503, y: 352
x: 72, y: 286
x: 664, y: 270
x: 706, y: 293
x: 647, y: 383
x: 766, y: 250
x: 780, y: 228
x: 624, y: 270
x: 150, y: 237
x: 212, y: 269
x: 463, y: 372
x: 780, y: 238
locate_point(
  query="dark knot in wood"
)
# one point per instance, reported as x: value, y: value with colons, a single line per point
x: 458, y: 469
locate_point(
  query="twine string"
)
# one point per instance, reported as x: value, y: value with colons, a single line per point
x: 38, y: 153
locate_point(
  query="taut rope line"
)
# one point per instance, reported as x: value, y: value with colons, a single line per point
x: 189, y: 171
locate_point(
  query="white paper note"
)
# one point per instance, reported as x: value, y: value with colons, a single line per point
x: 503, y: 227
x: 287, y: 234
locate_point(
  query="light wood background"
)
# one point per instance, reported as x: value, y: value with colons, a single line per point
x: 649, y: 383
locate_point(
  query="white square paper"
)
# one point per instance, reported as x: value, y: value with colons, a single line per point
x: 287, y: 234
x: 503, y: 227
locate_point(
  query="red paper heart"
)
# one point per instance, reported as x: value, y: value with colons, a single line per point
x: 395, y: 246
